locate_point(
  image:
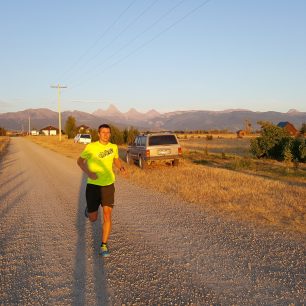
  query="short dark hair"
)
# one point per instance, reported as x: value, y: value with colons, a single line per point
x: 104, y: 126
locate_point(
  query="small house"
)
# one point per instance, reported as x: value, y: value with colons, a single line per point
x: 49, y: 131
x: 289, y: 127
x: 34, y: 132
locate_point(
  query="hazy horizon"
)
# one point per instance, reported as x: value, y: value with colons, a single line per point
x: 156, y: 110
x: 165, y: 55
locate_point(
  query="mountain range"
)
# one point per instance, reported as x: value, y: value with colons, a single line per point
x: 231, y: 120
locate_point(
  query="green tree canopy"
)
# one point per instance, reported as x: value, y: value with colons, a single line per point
x: 303, y: 129
x: 129, y: 135
x: 116, y: 136
x: 70, y: 127
x: 94, y: 135
x: 276, y: 143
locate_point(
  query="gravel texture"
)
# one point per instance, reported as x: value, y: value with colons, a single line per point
x: 163, y: 250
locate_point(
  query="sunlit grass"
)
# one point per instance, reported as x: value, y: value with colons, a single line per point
x: 239, y: 195
x: 219, y: 144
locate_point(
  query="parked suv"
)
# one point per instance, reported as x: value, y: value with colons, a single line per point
x: 151, y: 147
x: 82, y: 138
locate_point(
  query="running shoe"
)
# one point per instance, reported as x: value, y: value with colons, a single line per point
x: 86, y: 212
x: 104, y: 250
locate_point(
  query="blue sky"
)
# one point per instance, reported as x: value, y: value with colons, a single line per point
x: 165, y: 55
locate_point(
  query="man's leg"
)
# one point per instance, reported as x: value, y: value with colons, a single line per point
x: 93, y: 216
x: 93, y: 200
x: 107, y: 223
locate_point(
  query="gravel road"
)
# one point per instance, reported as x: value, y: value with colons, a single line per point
x: 163, y: 250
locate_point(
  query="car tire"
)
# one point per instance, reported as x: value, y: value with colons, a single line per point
x: 142, y: 163
x: 175, y: 163
x: 128, y: 159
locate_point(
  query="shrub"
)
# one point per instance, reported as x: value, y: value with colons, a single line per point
x: 299, y: 149
x: 303, y: 129
x: 242, y: 163
x: 271, y: 143
x: 2, y: 132
x: 282, y: 149
x: 276, y: 143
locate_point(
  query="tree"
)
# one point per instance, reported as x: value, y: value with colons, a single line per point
x: 299, y: 149
x: 70, y: 127
x: 272, y: 143
x: 276, y: 143
x: 303, y: 129
x: 129, y: 135
x: 116, y: 136
x: 94, y: 135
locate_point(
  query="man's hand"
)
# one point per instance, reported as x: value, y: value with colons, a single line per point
x: 92, y: 175
x: 123, y: 171
x: 83, y: 165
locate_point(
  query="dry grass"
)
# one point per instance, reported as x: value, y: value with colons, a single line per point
x: 235, y: 186
x: 66, y: 146
x: 199, y: 136
x: 235, y: 194
x: 218, y: 144
x: 4, y: 141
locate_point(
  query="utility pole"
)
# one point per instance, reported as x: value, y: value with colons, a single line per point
x: 59, y: 87
x: 29, y: 125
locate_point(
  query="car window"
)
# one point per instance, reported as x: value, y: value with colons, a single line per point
x: 143, y: 140
x: 85, y: 136
x: 157, y: 140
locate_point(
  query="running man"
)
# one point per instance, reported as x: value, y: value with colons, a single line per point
x: 97, y: 162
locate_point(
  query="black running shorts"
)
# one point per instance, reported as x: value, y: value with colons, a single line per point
x: 99, y: 195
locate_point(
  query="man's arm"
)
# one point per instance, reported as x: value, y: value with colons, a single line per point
x: 83, y: 165
x: 119, y: 166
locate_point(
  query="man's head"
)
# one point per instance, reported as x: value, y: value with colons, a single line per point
x: 104, y: 132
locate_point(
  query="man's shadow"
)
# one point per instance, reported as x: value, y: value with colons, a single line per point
x: 87, y: 255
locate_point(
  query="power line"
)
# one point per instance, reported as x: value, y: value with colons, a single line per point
x: 147, y: 8
x: 99, y: 38
x: 189, y: 13
x: 152, y: 25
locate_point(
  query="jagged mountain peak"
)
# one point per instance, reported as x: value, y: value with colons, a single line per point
x: 132, y: 110
x: 190, y: 120
x: 292, y: 111
x: 112, y: 109
x: 152, y: 113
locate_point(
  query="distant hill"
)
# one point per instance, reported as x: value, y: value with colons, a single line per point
x: 231, y: 120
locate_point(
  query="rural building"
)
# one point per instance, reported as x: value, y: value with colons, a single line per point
x: 241, y: 133
x: 288, y: 127
x: 34, y: 132
x: 83, y: 129
x: 50, y: 131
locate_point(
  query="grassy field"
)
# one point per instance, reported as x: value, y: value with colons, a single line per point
x: 221, y: 176
x: 228, y: 144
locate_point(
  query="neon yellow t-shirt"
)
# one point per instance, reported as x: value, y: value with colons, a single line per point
x: 99, y: 159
